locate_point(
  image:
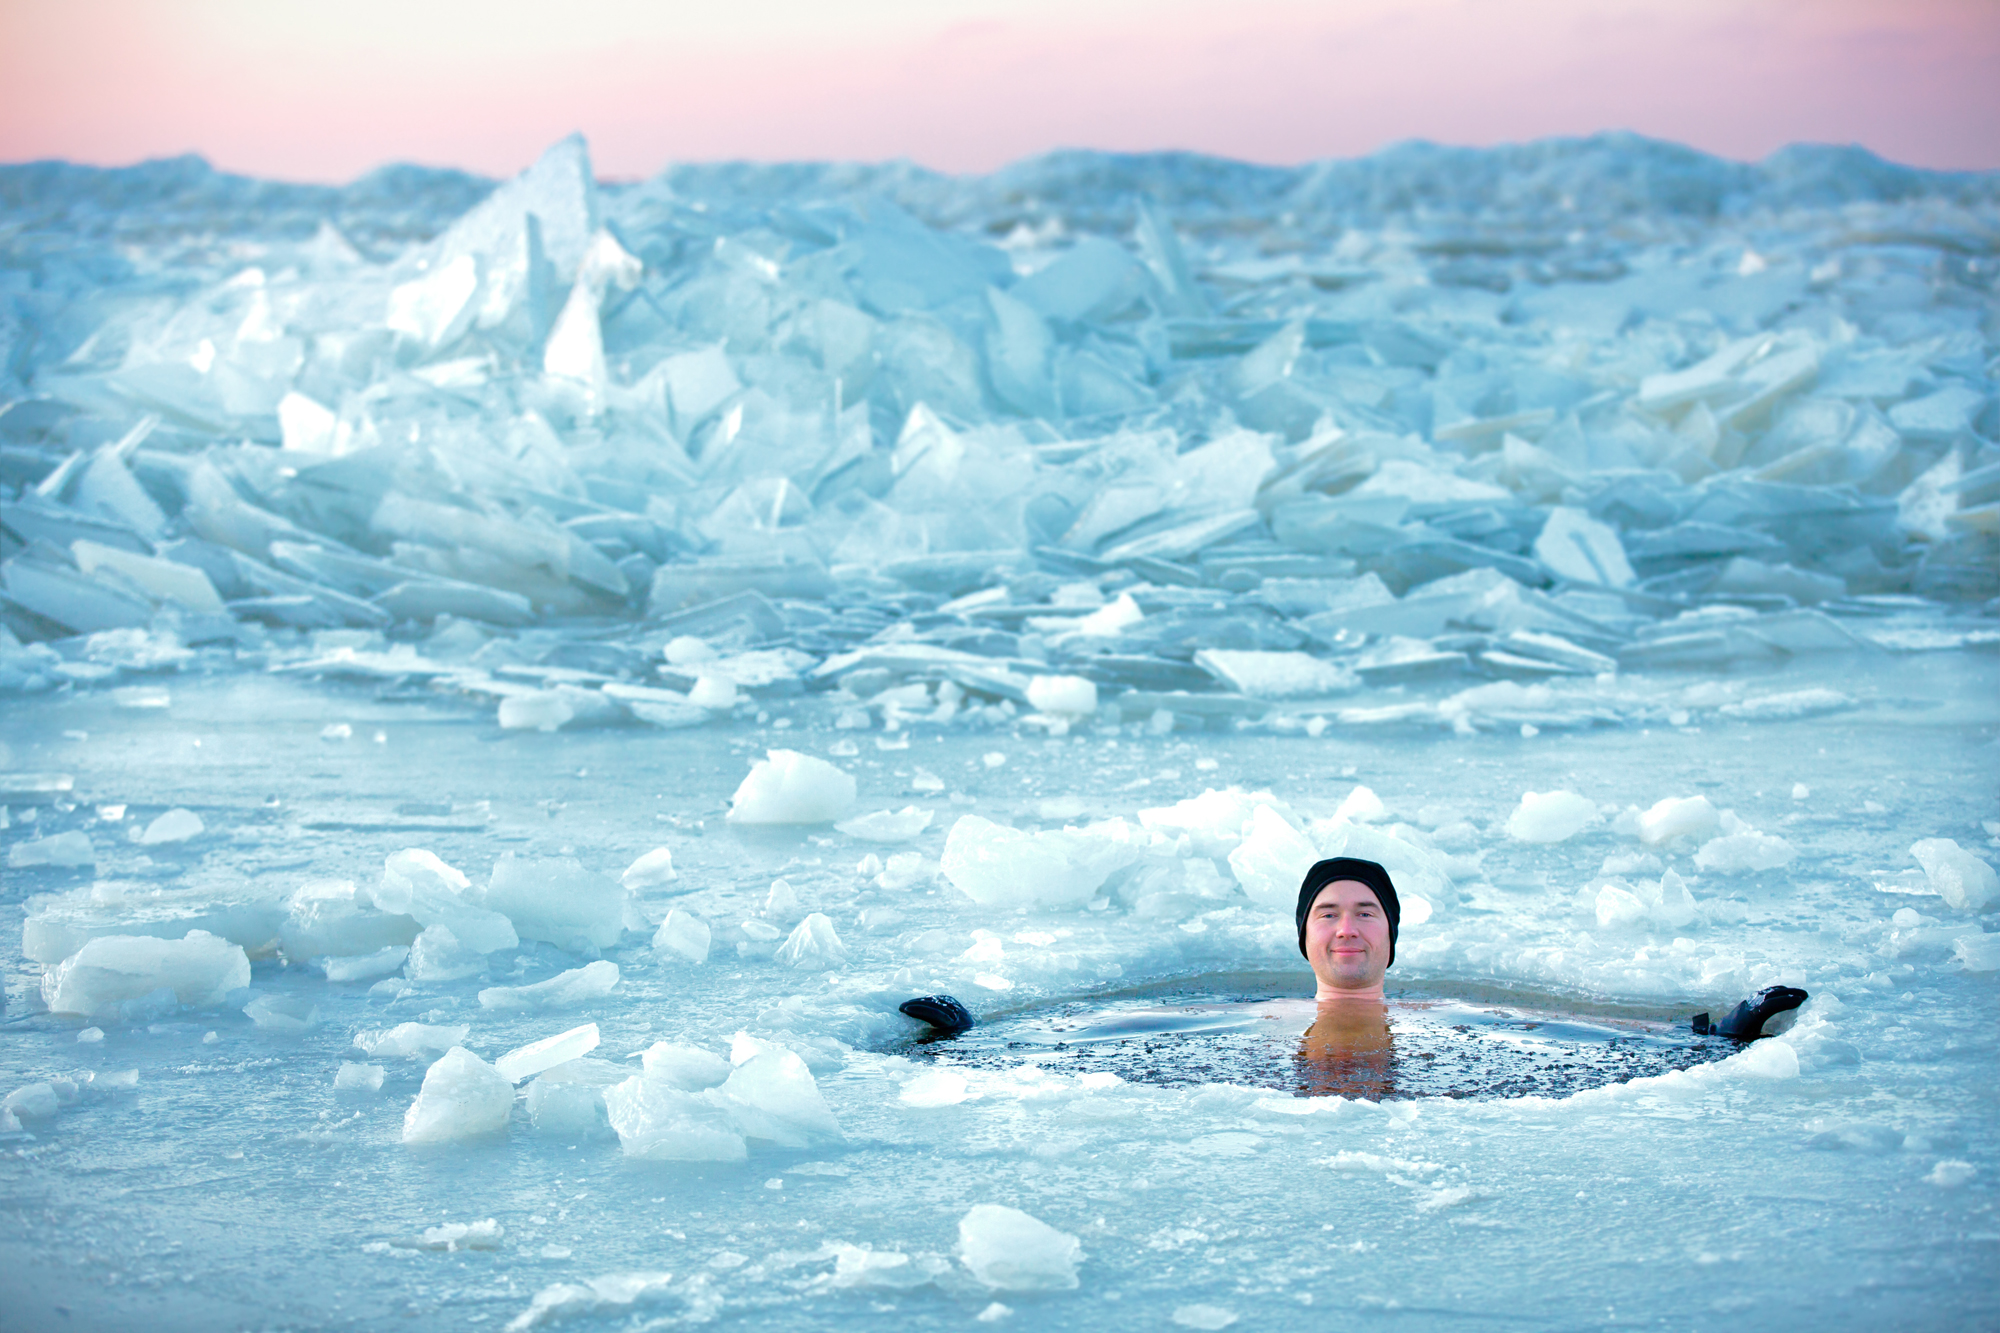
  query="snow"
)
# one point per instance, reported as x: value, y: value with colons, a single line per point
x: 1009, y: 1250
x: 462, y: 1097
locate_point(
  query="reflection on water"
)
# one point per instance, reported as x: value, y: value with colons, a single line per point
x: 1349, y: 1051
x: 1414, y: 1046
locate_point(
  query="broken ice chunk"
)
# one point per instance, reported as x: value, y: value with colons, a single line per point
x: 364, y: 967
x: 813, y: 945
x: 282, y: 1013
x: 682, y: 937
x: 1361, y: 806
x: 1553, y: 816
x: 113, y: 971
x: 663, y: 1124
x: 32, y: 1101
x: 557, y: 901
x: 1964, y: 881
x: 1271, y: 861
x: 438, y: 955
x: 650, y: 871
x: 1063, y: 696
x: 1618, y: 907
x: 1009, y: 1250
x: 997, y: 866
x: 462, y: 1097
x: 887, y: 826
x: 1678, y: 817
x: 569, y: 1098
x: 408, y: 1040
x: 1577, y: 547
x: 770, y: 1095
x: 1744, y: 851
x: 176, y: 825
x: 688, y: 1068
x: 526, y: 1061
x: 330, y: 919
x: 62, y: 849
x: 787, y: 787
x: 1110, y: 620
x: 358, y: 1078
x: 1276, y: 675
x: 565, y: 990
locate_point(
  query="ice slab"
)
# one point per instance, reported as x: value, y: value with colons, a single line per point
x: 1965, y: 882
x: 813, y: 945
x: 682, y: 937
x: 1009, y: 1250
x: 462, y: 1097
x: 650, y: 870
x: 557, y: 900
x: 537, y: 1056
x: 117, y: 976
x: 997, y: 866
x: 68, y: 849
x: 410, y: 1040
x: 888, y: 825
x: 566, y: 990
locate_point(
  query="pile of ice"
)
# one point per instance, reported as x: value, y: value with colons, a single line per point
x: 121, y: 952
x: 1139, y: 440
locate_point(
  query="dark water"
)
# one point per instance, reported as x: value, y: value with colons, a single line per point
x: 1420, y: 1044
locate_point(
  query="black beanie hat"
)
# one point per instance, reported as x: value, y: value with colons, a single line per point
x: 1370, y: 873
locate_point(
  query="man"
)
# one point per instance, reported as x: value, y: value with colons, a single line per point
x: 1348, y: 914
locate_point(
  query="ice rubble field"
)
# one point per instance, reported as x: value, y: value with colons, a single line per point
x: 506, y: 689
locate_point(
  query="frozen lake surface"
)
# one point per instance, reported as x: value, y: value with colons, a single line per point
x: 1812, y: 1173
x: 505, y: 687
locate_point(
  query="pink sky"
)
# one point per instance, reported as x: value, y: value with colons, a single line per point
x: 319, y: 91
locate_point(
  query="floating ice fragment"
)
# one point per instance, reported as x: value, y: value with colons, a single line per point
x: 1678, y: 817
x: 288, y: 1014
x: 484, y: 1234
x: 1064, y: 696
x: 888, y: 826
x: 358, y: 1078
x: 90, y: 1035
x: 650, y: 871
x: 1618, y: 907
x: 1977, y: 953
x: 1361, y: 806
x: 1744, y: 852
x: 364, y: 967
x: 462, y: 1097
x: 1276, y: 675
x: 682, y: 937
x: 1950, y: 1173
x: 813, y: 945
x: 613, y: 1291
x: 661, y: 1123
x: 112, y: 972
x: 1577, y: 547
x: 997, y: 866
x: 688, y: 1068
x: 62, y: 849
x: 1111, y: 619
x: 782, y: 902
x: 1008, y: 1250
x: 409, y: 1040
x: 787, y: 787
x: 1210, y: 1317
x: 527, y: 1061
x: 562, y: 991
x: 1272, y: 860
x: 1554, y: 816
x: 438, y: 955
x: 1676, y: 906
x: 557, y: 901
x: 1964, y: 881
x: 770, y: 1095
x: 937, y: 1087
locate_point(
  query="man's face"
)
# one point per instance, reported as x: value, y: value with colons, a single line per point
x: 1347, y: 937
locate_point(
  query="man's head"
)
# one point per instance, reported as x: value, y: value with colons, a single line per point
x: 1348, y: 915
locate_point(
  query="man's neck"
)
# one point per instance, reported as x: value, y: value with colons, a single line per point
x: 1339, y: 995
